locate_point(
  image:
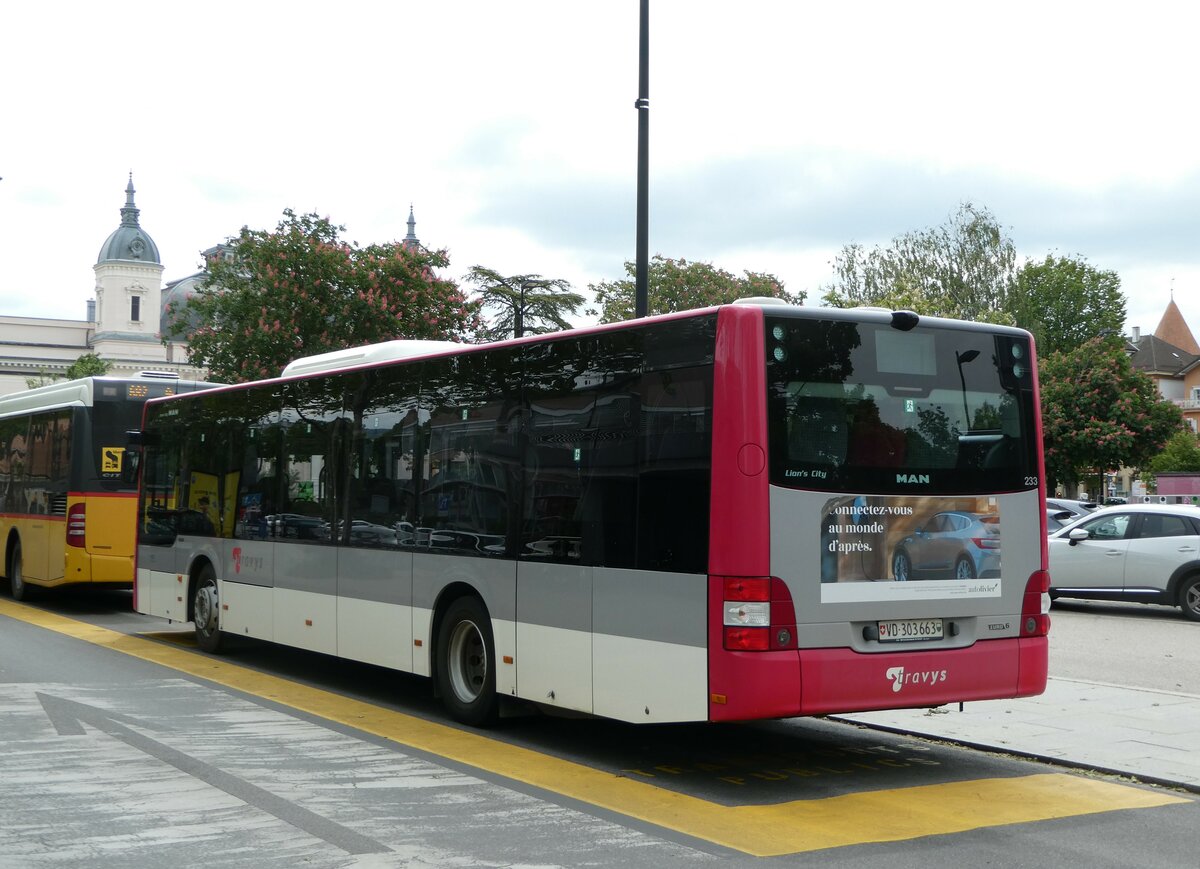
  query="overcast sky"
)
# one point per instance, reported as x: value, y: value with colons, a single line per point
x: 779, y: 132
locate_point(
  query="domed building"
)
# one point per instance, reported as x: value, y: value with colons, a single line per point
x: 124, y: 321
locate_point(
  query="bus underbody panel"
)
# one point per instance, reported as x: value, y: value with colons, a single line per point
x: 832, y: 681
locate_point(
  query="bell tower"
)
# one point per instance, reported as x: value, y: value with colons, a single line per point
x: 128, y: 291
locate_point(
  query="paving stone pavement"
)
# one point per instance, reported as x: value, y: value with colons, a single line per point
x: 1151, y: 735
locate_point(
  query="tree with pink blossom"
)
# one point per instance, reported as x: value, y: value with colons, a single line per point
x: 301, y: 289
x: 1099, y: 413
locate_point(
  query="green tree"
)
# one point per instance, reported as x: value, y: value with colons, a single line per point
x: 521, y: 304
x: 1065, y: 301
x: 87, y: 365
x: 301, y: 290
x: 1180, y: 455
x: 679, y: 285
x: 964, y: 268
x: 1100, y: 413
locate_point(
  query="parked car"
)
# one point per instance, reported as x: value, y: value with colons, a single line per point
x: 1138, y: 552
x: 1076, y: 508
x: 1056, y: 519
x: 953, y: 544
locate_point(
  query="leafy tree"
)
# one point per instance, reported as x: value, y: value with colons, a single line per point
x: 964, y: 269
x: 1100, y: 413
x: 1065, y: 301
x: 679, y: 285
x: 1180, y: 455
x: 524, y: 304
x: 301, y: 290
x: 87, y: 365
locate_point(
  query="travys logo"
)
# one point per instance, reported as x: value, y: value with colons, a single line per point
x: 251, y: 562
x: 900, y: 678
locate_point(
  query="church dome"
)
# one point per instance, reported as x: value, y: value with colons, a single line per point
x: 129, y: 241
x: 175, y: 299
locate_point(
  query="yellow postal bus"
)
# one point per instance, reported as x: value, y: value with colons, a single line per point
x: 68, y: 488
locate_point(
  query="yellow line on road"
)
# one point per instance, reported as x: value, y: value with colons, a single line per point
x: 772, y: 830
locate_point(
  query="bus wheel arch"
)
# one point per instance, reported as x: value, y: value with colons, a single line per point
x: 204, y: 605
x: 464, y: 665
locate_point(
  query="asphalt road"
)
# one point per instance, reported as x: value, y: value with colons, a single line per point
x: 137, y: 751
x: 1130, y: 644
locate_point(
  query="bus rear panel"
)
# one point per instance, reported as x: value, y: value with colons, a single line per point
x: 877, y: 532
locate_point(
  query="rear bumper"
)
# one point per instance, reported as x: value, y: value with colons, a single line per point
x: 828, y: 681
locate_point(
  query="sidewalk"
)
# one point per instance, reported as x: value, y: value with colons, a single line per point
x: 1151, y: 735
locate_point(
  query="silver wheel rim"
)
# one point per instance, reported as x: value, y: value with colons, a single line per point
x: 964, y: 570
x: 900, y: 568
x: 1192, y: 599
x: 467, y: 662
x: 206, y: 608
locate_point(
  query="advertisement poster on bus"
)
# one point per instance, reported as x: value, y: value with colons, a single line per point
x: 909, y: 548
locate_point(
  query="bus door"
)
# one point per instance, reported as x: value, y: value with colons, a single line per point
x: 46, y: 497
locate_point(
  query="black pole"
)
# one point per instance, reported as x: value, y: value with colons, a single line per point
x: 641, y: 297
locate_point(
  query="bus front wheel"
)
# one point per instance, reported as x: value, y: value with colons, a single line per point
x: 206, y: 608
x: 16, y: 574
x: 466, y: 671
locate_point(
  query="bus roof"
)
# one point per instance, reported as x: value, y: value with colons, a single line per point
x: 80, y: 392
x: 368, y: 354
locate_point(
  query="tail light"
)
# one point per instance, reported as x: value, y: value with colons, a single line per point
x: 757, y: 614
x: 1035, y: 607
x: 76, y: 525
x: 986, y: 542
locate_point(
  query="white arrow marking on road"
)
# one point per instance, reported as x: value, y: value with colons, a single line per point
x: 69, y: 716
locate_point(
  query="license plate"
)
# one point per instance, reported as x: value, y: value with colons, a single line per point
x: 909, y: 630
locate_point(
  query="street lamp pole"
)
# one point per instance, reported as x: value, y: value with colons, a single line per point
x: 641, y: 295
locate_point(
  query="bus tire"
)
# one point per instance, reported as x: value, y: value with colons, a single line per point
x: 466, y: 663
x: 206, y: 610
x: 964, y: 568
x: 16, y: 574
x: 1189, y: 597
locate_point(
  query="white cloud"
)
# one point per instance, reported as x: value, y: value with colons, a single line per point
x: 778, y: 132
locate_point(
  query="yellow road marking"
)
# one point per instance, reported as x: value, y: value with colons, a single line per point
x: 763, y: 831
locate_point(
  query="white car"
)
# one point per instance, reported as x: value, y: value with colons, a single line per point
x: 1136, y: 552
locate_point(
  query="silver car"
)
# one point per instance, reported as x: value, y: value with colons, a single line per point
x: 953, y: 544
x: 1136, y: 552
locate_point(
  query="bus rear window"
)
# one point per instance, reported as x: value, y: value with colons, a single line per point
x: 868, y: 408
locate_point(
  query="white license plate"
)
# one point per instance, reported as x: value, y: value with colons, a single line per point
x: 909, y: 630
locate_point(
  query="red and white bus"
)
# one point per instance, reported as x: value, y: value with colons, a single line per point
x: 751, y: 511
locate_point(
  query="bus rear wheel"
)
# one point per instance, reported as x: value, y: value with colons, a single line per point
x: 16, y: 574
x: 466, y: 671
x: 206, y: 610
